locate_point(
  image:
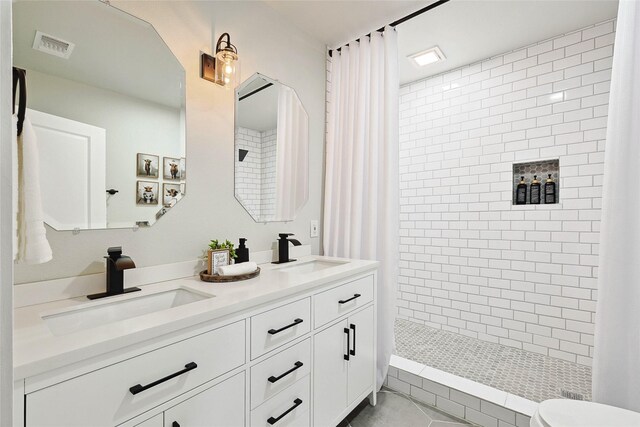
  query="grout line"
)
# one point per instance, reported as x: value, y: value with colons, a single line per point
x: 412, y: 401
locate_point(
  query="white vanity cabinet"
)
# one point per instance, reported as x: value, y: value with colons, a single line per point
x: 304, y: 359
x: 343, y: 366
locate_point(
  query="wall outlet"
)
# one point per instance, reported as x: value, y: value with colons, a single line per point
x: 314, y: 228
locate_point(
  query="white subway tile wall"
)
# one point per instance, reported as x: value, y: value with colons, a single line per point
x: 471, y: 262
x: 268, y: 172
x: 255, y: 176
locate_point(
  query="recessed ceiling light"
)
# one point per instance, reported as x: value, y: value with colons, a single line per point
x: 428, y: 56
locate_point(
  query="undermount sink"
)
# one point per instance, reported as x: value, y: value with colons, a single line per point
x: 303, y: 267
x: 104, y: 312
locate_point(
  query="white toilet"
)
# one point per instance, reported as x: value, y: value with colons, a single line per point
x: 576, y: 413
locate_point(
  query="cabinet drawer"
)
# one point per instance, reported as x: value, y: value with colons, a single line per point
x: 279, y: 372
x: 276, y: 327
x: 106, y: 397
x: 331, y: 304
x: 219, y: 406
x: 289, y: 408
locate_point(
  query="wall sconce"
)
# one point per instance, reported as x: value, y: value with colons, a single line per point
x: 223, y: 68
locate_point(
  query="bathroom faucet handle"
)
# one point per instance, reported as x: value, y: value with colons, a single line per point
x: 285, y: 235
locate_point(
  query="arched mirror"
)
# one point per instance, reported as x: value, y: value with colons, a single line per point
x: 271, y: 150
x: 106, y: 98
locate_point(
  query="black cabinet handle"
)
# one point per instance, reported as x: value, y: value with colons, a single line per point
x: 343, y: 301
x: 347, y: 331
x: 140, y: 388
x: 353, y: 328
x: 296, y: 366
x: 296, y: 403
x: 175, y: 424
x: 275, y: 331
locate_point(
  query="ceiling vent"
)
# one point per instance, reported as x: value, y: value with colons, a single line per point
x: 52, y: 45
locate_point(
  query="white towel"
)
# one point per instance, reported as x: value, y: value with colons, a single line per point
x: 237, y: 269
x: 31, y: 235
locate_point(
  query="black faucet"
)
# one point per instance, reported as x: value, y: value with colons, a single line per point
x: 283, y: 247
x: 116, y: 264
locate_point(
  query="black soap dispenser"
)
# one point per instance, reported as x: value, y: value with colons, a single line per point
x: 242, y: 252
x: 550, y: 194
x: 521, y: 192
x: 534, y: 191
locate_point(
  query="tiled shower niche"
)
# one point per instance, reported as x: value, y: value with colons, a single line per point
x: 541, y: 169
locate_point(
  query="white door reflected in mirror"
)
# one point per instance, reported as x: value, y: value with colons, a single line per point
x: 120, y: 77
x: 271, y: 150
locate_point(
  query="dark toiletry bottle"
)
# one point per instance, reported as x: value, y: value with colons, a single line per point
x: 521, y: 192
x: 242, y: 252
x: 534, y: 191
x: 550, y: 191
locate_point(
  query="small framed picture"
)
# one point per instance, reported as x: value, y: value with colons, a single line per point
x: 183, y: 168
x: 217, y: 258
x: 171, y: 194
x: 171, y: 169
x: 147, y: 193
x: 147, y: 165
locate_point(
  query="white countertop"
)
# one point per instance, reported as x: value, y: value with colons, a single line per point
x: 37, y: 349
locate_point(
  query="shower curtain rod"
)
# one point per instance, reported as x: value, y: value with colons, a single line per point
x: 401, y: 20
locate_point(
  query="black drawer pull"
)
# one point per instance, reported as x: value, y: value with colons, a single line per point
x: 175, y: 424
x: 275, y: 331
x: 347, y: 331
x: 343, y: 301
x: 296, y: 403
x: 296, y: 366
x: 353, y: 328
x: 140, y: 388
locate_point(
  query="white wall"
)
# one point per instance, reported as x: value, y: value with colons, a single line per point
x: 266, y: 43
x: 473, y: 263
x: 6, y: 220
x: 133, y: 126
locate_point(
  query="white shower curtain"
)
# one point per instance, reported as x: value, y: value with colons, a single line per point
x: 361, y: 206
x: 616, y: 363
x: 292, y: 155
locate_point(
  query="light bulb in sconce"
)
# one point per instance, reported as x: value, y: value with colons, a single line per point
x: 223, y: 68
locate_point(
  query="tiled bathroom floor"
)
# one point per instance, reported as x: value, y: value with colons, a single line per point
x: 523, y: 373
x: 394, y: 409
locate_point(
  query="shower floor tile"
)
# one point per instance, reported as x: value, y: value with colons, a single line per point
x: 523, y: 373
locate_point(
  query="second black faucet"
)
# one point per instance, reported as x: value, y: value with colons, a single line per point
x: 283, y: 248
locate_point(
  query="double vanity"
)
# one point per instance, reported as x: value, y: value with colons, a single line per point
x: 293, y: 347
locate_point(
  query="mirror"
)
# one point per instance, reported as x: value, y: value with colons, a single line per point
x: 106, y: 99
x: 271, y: 150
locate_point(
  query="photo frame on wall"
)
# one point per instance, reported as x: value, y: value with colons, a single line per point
x: 171, y: 168
x: 147, y: 165
x: 147, y: 193
x: 217, y: 258
x: 171, y: 194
